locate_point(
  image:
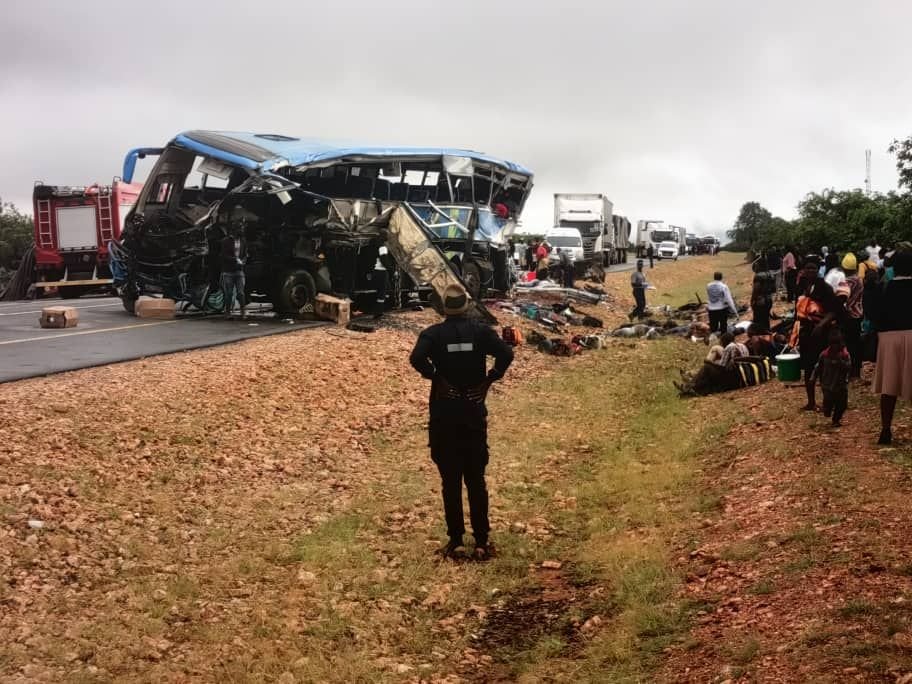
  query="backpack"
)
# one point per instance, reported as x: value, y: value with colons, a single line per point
x: 512, y: 336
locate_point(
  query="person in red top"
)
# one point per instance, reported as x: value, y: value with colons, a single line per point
x: 541, y: 260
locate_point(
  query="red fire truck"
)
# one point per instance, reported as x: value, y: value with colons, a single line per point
x: 73, y: 227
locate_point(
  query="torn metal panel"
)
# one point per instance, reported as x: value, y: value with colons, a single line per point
x: 421, y: 259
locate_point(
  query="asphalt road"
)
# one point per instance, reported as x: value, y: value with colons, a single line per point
x: 108, y: 334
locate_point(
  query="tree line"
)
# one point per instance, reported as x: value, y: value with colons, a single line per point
x: 16, y: 235
x: 843, y: 220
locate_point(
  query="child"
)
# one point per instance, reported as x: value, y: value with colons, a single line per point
x: 832, y: 370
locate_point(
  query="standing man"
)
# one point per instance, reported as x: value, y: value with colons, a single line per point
x: 790, y: 274
x: 650, y: 252
x: 453, y: 356
x: 234, y: 256
x: 566, y: 264
x: 719, y: 304
x: 639, y: 284
x: 380, y: 279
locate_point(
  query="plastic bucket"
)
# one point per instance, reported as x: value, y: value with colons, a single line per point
x: 788, y: 367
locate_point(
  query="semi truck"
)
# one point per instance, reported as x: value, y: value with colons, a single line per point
x: 604, y: 235
x: 654, y: 232
x: 74, y: 227
x: 681, y: 237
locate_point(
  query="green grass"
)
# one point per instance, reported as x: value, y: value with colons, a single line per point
x: 742, y: 551
x: 857, y: 608
x: 763, y: 588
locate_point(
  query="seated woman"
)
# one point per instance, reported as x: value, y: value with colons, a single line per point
x: 717, y: 376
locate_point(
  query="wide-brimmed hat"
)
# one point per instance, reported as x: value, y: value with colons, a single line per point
x: 455, y: 300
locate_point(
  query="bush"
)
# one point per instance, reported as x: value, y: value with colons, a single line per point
x: 16, y: 235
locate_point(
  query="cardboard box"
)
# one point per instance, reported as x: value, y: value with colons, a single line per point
x: 332, y: 309
x: 154, y: 307
x: 59, y: 317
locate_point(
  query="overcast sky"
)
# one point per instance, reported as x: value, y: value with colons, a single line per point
x: 676, y: 110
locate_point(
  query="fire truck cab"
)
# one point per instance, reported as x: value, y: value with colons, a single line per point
x: 73, y: 228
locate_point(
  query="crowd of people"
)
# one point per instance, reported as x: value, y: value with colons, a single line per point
x: 540, y: 261
x: 849, y: 309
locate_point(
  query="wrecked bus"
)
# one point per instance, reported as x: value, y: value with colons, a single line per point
x: 314, y: 216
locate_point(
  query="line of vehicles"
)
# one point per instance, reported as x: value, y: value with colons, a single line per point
x: 585, y: 224
x: 314, y: 216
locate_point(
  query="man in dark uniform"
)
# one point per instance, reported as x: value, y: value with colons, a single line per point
x: 453, y: 356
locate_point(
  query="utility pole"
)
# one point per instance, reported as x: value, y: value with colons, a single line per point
x: 868, y: 173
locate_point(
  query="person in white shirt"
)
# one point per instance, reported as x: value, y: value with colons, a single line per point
x: 873, y: 251
x: 719, y: 305
x: 835, y: 277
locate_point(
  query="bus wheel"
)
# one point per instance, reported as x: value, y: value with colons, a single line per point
x: 296, y: 293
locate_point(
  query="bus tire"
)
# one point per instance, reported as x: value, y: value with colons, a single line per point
x: 296, y: 293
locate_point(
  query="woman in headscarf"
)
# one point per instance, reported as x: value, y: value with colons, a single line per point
x: 890, y: 312
x: 851, y: 327
x: 817, y: 310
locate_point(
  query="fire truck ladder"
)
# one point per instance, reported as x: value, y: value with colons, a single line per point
x: 45, y: 230
x: 105, y: 216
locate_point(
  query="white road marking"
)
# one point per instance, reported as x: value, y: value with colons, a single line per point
x: 38, y: 311
x: 87, y: 332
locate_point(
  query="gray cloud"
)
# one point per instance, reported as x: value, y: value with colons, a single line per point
x: 676, y: 110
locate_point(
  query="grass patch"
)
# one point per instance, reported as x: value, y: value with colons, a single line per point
x: 742, y: 551
x: 857, y: 608
x: 801, y: 564
x: 763, y: 588
x: 744, y: 653
x: 709, y: 503
x: 634, y: 493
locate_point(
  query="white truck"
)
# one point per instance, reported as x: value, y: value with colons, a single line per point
x: 682, y: 238
x: 654, y: 232
x: 592, y: 215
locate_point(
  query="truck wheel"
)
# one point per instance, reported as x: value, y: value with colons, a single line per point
x: 296, y: 293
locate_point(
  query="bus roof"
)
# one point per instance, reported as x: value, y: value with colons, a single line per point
x: 269, y: 151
